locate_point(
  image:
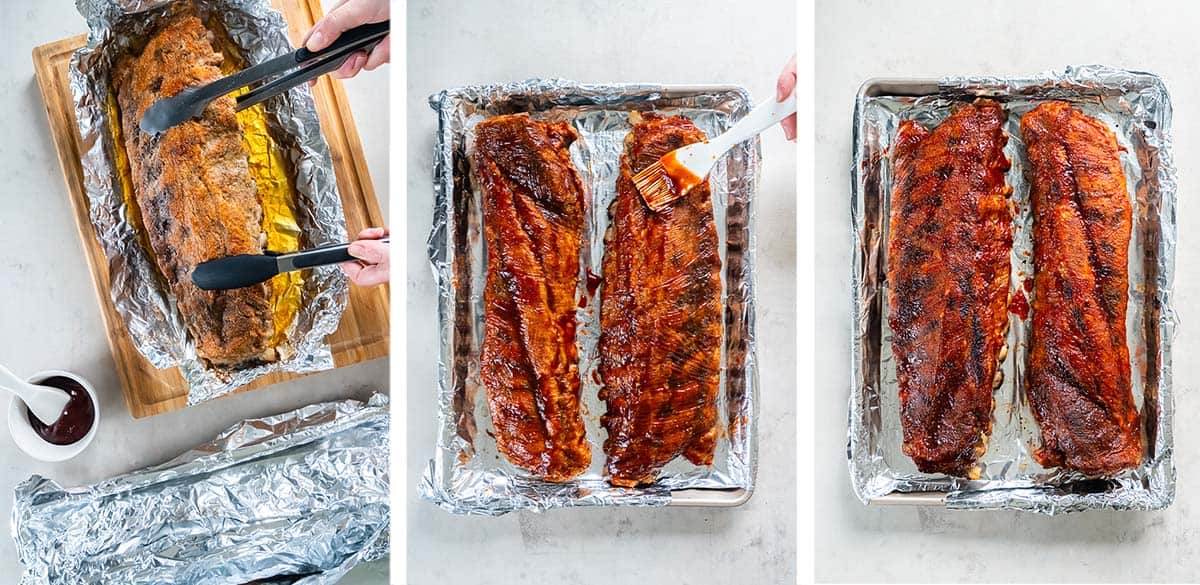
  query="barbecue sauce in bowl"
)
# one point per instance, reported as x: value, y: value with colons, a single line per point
x: 77, y: 418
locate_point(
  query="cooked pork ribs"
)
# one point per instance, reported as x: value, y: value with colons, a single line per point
x: 1078, y: 379
x: 948, y: 277
x: 195, y: 193
x: 660, y: 314
x: 533, y: 216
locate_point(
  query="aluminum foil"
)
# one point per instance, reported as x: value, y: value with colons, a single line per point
x: 467, y: 474
x: 302, y: 494
x: 138, y: 293
x: 1137, y: 107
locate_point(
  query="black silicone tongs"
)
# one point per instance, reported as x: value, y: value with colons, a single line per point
x: 300, y: 66
x: 250, y: 269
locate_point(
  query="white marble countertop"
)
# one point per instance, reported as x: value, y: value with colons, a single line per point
x: 859, y: 40
x: 49, y: 314
x: 457, y: 43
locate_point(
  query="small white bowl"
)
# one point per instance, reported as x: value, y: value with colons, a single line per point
x: 33, y: 444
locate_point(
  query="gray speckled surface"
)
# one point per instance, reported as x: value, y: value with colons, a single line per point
x: 49, y: 316
x: 858, y: 40
x: 457, y: 43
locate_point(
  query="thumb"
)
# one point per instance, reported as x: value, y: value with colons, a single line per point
x: 342, y: 18
x: 369, y: 251
x: 787, y: 81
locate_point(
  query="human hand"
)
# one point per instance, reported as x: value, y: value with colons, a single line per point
x: 373, y: 265
x: 345, y: 15
x: 785, y: 88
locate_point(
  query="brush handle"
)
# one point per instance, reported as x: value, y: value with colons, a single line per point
x: 763, y: 116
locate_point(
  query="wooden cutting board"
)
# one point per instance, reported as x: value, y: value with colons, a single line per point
x: 363, y: 332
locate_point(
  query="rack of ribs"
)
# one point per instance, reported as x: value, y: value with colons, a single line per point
x: 1078, y: 365
x: 948, y: 274
x: 193, y: 187
x: 533, y: 216
x: 660, y: 316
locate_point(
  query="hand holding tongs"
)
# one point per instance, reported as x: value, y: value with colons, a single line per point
x: 308, y: 65
x: 250, y: 269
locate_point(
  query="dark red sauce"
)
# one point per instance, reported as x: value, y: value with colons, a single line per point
x: 1019, y: 306
x: 77, y: 418
x: 1027, y: 284
x: 593, y: 282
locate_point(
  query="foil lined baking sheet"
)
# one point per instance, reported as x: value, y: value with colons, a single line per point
x: 1137, y: 108
x: 299, y: 497
x: 138, y: 292
x: 467, y: 474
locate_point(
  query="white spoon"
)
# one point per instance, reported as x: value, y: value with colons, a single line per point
x: 44, y: 402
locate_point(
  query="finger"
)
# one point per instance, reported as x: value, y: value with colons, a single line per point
x: 372, y: 275
x: 372, y: 233
x: 352, y: 66
x: 308, y: 35
x: 382, y: 53
x: 369, y: 251
x: 789, y: 127
x: 787, y: 81
x: 341, y: 19
x: 352, y: 269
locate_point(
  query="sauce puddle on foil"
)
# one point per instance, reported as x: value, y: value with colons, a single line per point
x: 593, y: 283
x: 77, y: 417
x: 1019, y: 306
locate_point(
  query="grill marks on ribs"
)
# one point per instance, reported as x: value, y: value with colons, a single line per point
x: 948, y: 272
x: 1079, y: 377
x: 660, y: 316
x: 193, y: 186
x: 533, y: 205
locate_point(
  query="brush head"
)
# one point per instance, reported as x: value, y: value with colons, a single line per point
x: 655, y: 186
x: 235, y: 271
x: 666, y: 180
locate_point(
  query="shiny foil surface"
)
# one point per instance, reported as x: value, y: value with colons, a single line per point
x: 467, y: 474
x: 1137, y: 108
x: 314, y: 306
x: 299, y: 497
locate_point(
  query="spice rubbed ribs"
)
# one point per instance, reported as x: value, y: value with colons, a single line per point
x: 193, y: 187
x: 1078, y: 365
x: 948, y: 274
x: 660, y: 316
x: 533, y: 216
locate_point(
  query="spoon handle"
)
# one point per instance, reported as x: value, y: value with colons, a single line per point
x: 9, y: 381
x: 45, y: 402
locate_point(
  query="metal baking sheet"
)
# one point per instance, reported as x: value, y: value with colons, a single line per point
x: 1137, y: 107
x: 467, y: 474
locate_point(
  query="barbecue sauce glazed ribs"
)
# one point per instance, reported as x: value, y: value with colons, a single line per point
x: 534, y: 213
x: 948, y: 273
x: 660, y: 315
x: 193, y: 187
x: 1078, y: 379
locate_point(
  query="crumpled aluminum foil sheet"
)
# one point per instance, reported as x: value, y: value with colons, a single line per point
x: 1137, y: 107
x: 138, y: 293
x: 301, y: 495
x: 467, y: 474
